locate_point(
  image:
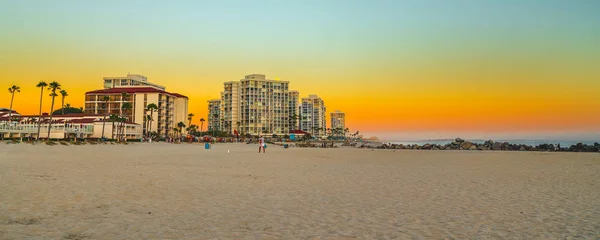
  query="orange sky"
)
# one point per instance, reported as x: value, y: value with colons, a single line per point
x: 394, y: 69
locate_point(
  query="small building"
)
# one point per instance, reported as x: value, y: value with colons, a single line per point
x: 66, y: 126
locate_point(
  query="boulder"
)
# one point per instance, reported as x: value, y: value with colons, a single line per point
x: 522, y: 148
x: 459, y: 140
x: 473, y: 147
x: 497, y: 146
x: 466, y: 145
x: 489, y: 144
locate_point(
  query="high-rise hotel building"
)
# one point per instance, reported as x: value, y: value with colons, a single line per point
x: 214, y: 114
x: 312, y: 115
x: 253, y: 105
x: 172, y: 107
x: 338, y: 120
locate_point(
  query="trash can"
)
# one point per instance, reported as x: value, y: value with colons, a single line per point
x: 285, y: 146
x: 207, y: 146
x: 265, y: 146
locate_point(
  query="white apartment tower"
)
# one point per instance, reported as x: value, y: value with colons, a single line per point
x: 312, y: 115
x: 255, y: 105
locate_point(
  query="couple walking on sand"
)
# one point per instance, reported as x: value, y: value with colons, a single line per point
x: 261, y: 144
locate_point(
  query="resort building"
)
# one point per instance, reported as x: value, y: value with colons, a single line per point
x: 132, y: 80
x: 338, y: 120
x: 139, y: 93
x: 214, y: 114
x: 253, y: 105
x: 65, y: 126
x: 312, y: 115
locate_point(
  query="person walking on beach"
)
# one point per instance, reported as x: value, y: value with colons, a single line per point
x: 261, y: 144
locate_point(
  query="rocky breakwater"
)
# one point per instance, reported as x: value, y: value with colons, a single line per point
x: 489, y: 145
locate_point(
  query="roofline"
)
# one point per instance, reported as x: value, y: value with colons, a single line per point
x: 133, y: 90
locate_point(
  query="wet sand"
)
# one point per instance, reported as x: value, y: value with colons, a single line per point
x: 182, y: 191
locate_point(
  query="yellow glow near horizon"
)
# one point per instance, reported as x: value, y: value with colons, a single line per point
x: 389, y: 67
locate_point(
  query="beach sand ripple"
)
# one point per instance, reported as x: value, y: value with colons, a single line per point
x: 182, y: 191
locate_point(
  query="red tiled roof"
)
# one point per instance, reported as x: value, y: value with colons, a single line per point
x: 132, y: 90
x: 298, y: 132
x: 68, y: 115
x: 79, y: 120
x: 178, y: 95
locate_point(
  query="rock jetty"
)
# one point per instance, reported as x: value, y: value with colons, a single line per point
x: 489, y: 145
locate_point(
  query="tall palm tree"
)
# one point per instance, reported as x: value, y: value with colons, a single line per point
x: 151, y: 108
x: 113, y: 118
x: 190, y: 117
x: 147, y: 119
x: 105, y: 99
x: 63, y: 94
x: 125, y: 107
x: 41, y: 85
x: 202, y: 120
x: 53, y: 86
x: 12, y: 90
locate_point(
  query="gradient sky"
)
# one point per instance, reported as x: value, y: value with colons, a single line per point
x: 399, y: 69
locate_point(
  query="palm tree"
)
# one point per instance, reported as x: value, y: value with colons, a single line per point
x: 294, y: 120
x: 113, y: 118
x: 12, y: 90
x: 53, y: 86
x: 180, y: 125
x: 238, y: 127
x: 125, y: 107
x: 202, y: 120
x: 147, y: 119
x: 190, y: 116
x: 63, y: 94
x: 175, y: 132
x: 41, y: 85
x: 151, y: 108
x: 105, y: 98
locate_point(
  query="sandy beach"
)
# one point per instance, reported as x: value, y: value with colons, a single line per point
x: 182, y: 191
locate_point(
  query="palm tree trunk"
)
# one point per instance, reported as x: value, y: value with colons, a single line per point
x: 151, y: 120
x: 112, y: 130
x: 50, y: 122
x: 103, y: 124
x: 62, y: 108
x: 10, y: 110
x: 40, y: 116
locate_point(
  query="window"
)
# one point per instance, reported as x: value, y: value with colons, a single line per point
x: 90, y: 97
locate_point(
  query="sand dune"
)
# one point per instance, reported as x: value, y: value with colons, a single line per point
x: 182, y: 191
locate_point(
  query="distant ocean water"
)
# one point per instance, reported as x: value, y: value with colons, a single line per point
x: 563, y: 143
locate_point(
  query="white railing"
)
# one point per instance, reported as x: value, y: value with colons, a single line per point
x: 33, y: 128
